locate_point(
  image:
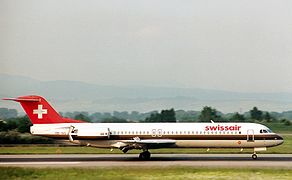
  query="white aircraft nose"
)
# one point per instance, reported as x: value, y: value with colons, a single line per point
x: 279, y: 140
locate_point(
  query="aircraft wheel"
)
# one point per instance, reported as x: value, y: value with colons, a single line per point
x: 254, y: 156
x: 145, y: 155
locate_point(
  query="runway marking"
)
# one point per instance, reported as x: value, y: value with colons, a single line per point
x: 37, y: 163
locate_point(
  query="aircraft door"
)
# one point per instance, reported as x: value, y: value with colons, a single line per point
x: 159, y: 134
x: 250, y: 135
x: 153, y: 133
x: 156, y: 133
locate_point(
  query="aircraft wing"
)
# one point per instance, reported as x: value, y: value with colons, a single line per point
x: 137, y: 143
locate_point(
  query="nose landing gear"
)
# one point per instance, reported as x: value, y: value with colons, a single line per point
x: 254, y: 156
x: 257, y: 149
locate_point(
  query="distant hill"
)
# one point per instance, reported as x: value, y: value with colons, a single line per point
x: 80, y: 96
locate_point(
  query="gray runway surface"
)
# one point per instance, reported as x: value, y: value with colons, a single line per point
x: 162, y: 160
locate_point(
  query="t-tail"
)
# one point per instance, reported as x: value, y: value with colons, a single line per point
x: 40, y: 111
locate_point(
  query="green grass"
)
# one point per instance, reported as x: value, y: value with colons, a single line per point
x: 282, y: 149
x: 144, y: 173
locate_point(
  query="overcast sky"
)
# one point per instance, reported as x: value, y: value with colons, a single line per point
x: 233, y: 45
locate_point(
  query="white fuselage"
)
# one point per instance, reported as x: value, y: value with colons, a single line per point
x: 210, y: 135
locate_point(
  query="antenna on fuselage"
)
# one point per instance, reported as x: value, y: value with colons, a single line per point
x: 212, y: 121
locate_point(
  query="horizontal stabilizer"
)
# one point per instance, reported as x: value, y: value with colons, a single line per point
x: 22, y: 99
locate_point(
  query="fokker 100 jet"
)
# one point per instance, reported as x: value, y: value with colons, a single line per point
x: 144, y: 136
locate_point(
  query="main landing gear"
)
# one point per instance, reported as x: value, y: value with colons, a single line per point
x: 145, y: 155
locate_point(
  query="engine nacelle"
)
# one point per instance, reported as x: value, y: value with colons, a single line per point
x: 75, y: 132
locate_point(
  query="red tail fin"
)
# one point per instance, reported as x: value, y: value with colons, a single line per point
x: 40, y: 111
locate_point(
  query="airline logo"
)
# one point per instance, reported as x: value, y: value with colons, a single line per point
x: 222, y: 128
x: 40, y: 111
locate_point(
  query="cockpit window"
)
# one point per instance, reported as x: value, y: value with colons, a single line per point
x: 265, y: 131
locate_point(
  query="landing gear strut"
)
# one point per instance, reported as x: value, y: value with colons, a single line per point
x: 254, y: 156
x: 145, y: 155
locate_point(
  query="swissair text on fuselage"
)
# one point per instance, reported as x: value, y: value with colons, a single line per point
x: 222, y: 128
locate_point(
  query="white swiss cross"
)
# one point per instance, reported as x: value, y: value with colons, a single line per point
x: 40, y: 111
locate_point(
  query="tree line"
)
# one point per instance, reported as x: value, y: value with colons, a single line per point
x: 208, y: 113
x: 16, y: 131
x: 170, y: 115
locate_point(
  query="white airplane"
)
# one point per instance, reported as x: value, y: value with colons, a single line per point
x: 144, y: 136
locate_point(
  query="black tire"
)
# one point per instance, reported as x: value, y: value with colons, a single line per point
x: 145, y: 155
x: 254, y: 156
x: 140, y: 156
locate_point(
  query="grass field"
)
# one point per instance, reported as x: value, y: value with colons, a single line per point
x: 146, y: 173
x: 282, y: 149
